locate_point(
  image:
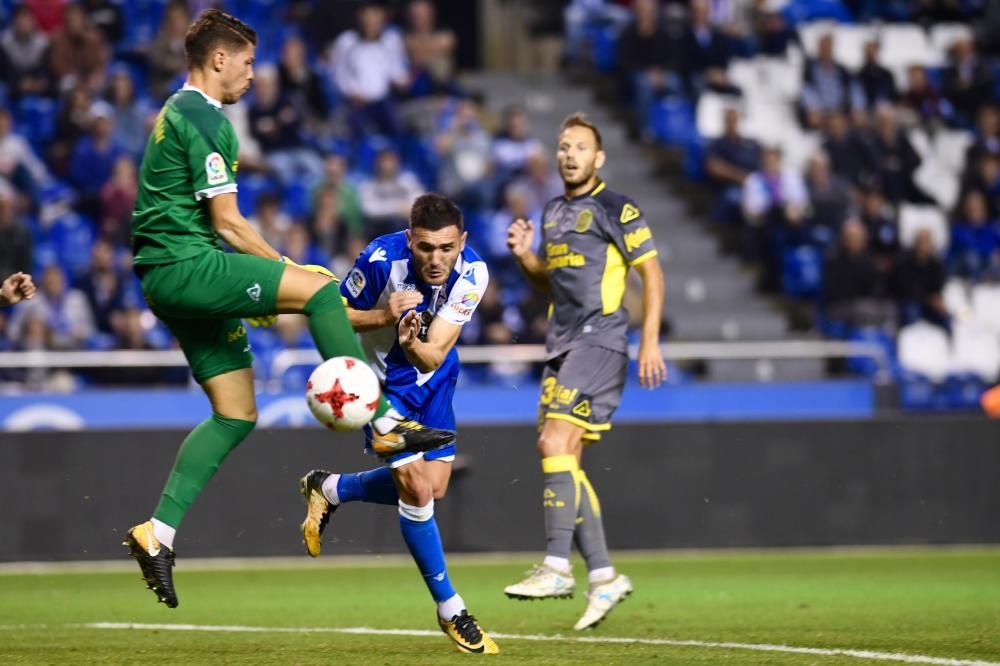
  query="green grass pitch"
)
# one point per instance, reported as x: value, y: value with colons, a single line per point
x: 934, y: 606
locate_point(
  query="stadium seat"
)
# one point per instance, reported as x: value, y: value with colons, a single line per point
x: 802, y: 271
x: 939, y: 182
x: 921, y: 141
x: 943, y: 35
x: 976, y: 350
x: 956, y: 298
x: 985, y: 302
x: 950, y: 146
x: 708, y: 115
x: 810, y: 33
x: 849, y: 44
x: 35, y: 120
x: 924, y: 349
x: 913, y: 217
x: 672, y: 120
x: 904, y: 45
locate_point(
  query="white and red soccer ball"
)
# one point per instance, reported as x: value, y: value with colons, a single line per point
x: 343, y: 393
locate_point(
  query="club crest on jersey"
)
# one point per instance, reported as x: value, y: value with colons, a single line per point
x: 215, y: 169
x: 355, y: 282
x: 470, y: 275
x: 583, y: 220
x: 629, y: 213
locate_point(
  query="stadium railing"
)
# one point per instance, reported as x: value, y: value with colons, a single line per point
x: 486, y: 354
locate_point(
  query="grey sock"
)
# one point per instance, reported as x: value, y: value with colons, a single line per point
x: 559, y: 501
x: 589, y: 534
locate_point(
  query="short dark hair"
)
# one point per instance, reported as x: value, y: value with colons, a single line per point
x: 214, y: 28
x: 435, y: 212
x: 579, y: 119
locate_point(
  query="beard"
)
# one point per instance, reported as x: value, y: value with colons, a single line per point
x: 583, y: 175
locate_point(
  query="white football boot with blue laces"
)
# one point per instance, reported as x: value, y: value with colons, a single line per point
x: 602, y: 598
x: 543, y: 582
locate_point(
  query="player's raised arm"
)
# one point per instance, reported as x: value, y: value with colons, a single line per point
x: 234, y: 229
x: 520, y: 236
x: 652, y: 369
x: 399, y: 303
x: 430, y: 354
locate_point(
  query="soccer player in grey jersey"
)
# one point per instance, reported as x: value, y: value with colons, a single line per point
x: 591, y: 236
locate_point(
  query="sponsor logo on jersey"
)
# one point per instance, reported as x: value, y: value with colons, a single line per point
x: 470, y: 299
x: 215, y: 169
x: 377, y: 255
x: 236, y: 334
x: 254, y: 292
x: 582, y: 409
x: 558, y: 255
x: 555, y: 393
x: 355, y: 282
x: 406, y: 286
x: 457, y: 307
x: 635, y: 239
x: 584, y: 220
x: 629, y: 213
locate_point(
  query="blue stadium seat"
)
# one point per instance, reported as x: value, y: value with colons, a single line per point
x: 802, y: 271
x: 72, y: 236
x: 671, y: 120
x: 35, y: 120
x: 298, y: 200
x: 250, y: 188
x: 864, y: 365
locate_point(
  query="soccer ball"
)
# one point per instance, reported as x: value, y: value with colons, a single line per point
x: 343, y: 393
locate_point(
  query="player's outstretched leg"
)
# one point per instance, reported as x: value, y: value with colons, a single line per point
x: 554, y: 577
x: 152, y: 543
x: 334, y: 336
x: 325, y: 491
x: 607, y: 588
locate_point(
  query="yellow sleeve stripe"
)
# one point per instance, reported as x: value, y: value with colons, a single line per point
x: 593, y: 427
x: 554, y: 464
x: 643, y: 257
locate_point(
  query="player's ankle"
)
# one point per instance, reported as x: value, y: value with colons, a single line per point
x: 449, y: 608
x: 329, y: 489
x: 385, y: 423
x: 560, y: 564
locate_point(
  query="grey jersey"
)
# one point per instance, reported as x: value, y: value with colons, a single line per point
x: 588, y: 244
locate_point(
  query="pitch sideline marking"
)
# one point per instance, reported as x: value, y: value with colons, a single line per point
x: 723, y: 645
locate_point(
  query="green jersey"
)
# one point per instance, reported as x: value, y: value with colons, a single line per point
x: 190, y: 157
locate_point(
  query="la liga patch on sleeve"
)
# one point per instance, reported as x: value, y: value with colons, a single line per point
x: 215, y: 169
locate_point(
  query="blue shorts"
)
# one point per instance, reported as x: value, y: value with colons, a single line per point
x: 437, y: 413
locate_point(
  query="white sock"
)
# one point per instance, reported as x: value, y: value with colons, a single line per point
x: 164, y: 533
x: 602, y: 575
x: 387, y: 421
x: 451, y: 607
x: 330, y: 489
x: 560, y: 564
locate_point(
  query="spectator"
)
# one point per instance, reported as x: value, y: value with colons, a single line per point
x: 269, y: 220
x: 463, y: 148
x: 15, y: 250
x: 48, y: 14
x: 921, y: 97
x: 94, y: 157
x: 348, y: 206
x: 917, y: 283
x: 300, y: 85
x: 297, y: 246
x: 879, y: 219
x: 773, y: 32
x: 327, y: 229
x: 79, y: 54
x: 842, y: 146
x: 387, y: 197
x: 887, y: 155
x: 876, y: 82
x: 517, y: 204
x: 987, y: 137
x: 853, y: 290
x: 974, y: 251
x: 18, y: 162
x: 704, y: 52
x: 106, y: 17
x: 275, y: 123
x: 24, y: 49
x: 541, y: 180
x: 167, y: 62
x: 72, y: 123
x: 368, y: 64
x: 644, y: 56
x: 829, y: 195
x: 775, y: 193
x: 728, y: 161
x: 514, y: 144
x: 967, y: 82
x: 118, y: 202
x: 985, y: 178
x: 430, y: 50
x: 102, y: 285
x: 65, y: 312
x: 827, y: 85
x: 132, y: 117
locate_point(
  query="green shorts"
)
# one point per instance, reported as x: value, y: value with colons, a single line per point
x: 202, y: 301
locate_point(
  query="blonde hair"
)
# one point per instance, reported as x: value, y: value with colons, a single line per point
x: 579, y: 119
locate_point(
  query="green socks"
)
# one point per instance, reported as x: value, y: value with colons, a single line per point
x: 198, y: 459
x: 332, y: 331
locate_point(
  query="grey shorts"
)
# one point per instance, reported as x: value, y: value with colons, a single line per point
x: 583, y: 386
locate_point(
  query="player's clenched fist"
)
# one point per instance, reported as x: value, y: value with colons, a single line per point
x: 400, y: 302
x: 520, y: 236
x: 16, y: 288
x: 409, y: 329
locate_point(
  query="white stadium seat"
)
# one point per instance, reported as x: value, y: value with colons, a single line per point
x: 941, y: 183
x: 924, y: 349
x: 904, y: 45
x: 849, y: 44
x: 976, y: 350
x: 809, y: 34
x: 950, y: 146
x: 913, y: 217
x: 956, y: 298
x: 986, y: 305
x: 709, y: 113
x: 943, y: 35
x: 920, y: 141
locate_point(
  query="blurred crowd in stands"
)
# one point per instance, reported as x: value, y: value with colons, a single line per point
x: 352, y: 115
x: 852, y: 148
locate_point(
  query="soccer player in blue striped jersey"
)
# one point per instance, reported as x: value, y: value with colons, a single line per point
x: 408, y: 295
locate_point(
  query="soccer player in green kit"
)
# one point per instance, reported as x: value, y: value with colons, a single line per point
x: 186, y: 203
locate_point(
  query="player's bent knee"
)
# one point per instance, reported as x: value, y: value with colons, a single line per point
x: 418, y: 514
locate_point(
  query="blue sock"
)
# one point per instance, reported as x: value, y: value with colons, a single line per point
x: 420, y: 532
x: 375, y: 486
